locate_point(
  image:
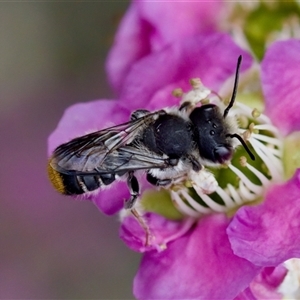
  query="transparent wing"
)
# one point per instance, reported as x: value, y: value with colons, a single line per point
x: 108, y: 150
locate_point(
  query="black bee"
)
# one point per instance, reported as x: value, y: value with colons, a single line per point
x: 167, y: 144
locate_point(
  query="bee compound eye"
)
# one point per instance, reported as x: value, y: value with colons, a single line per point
x: 222, y: 154
x: 173, y: 161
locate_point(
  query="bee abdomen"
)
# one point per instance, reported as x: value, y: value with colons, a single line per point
x: 73, y: 184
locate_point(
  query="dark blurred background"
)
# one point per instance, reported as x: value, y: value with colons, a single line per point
x: 52, y: 55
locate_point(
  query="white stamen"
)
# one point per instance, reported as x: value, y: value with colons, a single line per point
x: 274, y: 151
x: 272, y: 164
x: 242, y: 109
x: 267, y: 145
x: 182, y: 207
x: 268, y: 127
x: 263, y: 179
x: 246, y: 194
x: 267, y: 139
x: 212, y: 204
x: 266, y: 150
x: 234, y: 194
x: 193, y: 203
x: 229, y: 203
x: 251, y: 186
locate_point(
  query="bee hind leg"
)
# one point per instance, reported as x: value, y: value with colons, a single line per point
x: 134, y: 189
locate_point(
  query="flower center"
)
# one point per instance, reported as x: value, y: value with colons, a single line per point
x: 240, y: 182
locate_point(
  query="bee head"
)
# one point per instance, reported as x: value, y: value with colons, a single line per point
x: 211, y: 133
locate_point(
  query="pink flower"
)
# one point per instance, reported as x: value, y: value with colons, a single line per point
x: 268, y: 234
x: 201, y: 265
x: 195, y: 262
x: 150, y: 90
x: 281, y: 86
x: 151, y: 80
x: 198, y: 265
x: 148, y: 27
x: 214, y: 256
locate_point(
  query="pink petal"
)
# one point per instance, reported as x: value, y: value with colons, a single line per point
x: 83, y: 118
x: 171, y: 21
x: 198, y: 265
x: 245, y: 295
x: 162, y: 232
x: 111, y: 199
x: 149, y: 26
x: 268, y: 234
x: 280, y: 79
x: 212, y: 57
x: 266, y: 283
x: 131, y: 43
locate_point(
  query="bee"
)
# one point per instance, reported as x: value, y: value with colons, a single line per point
x: 166, y: 144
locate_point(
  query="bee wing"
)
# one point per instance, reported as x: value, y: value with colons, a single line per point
x: 107, y: 150
x: 129, y: 158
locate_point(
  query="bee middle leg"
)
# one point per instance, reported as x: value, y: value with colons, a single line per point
x: 133, y: 185
x: 158, y: 182
x: 134, y: 189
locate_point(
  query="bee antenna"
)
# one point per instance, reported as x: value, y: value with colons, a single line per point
x: 235, y: 135
x: 236, y: 81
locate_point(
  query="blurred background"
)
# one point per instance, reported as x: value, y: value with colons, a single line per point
x: 52, y: 55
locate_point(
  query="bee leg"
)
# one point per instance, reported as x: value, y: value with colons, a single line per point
x: 195, y: 163
x: 129, y: 204
x: 158, y: 182
x: 137, y: 114
x: 144, y: 225
x: 134, y: 189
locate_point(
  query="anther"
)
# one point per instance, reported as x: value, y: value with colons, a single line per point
x: 255, y: 113
x: 246, y: 135
x: 243, y: 161
x: 251, y: 127
x: 177, y: 93
x: 204, y: 101
x: 195, y: 83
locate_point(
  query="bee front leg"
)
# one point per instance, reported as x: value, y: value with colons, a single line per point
x: 134, y: 189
